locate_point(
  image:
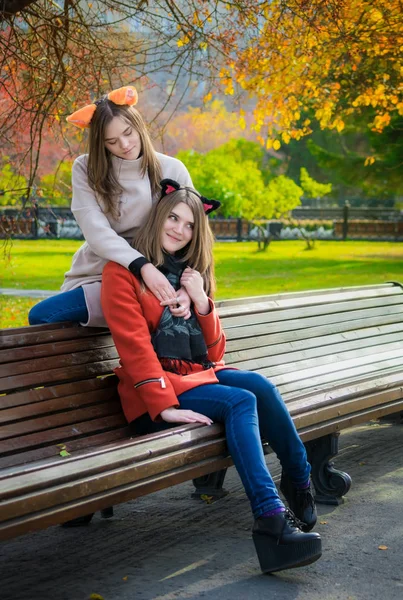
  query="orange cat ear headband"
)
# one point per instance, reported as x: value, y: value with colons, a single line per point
x: 124, y: 95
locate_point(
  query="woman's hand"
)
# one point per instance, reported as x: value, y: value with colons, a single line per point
x: 183, y: 307
x: 158, y: 284
x: 192, y: 281
x: 177, y: 415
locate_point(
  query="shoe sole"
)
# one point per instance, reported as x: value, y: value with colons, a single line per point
x: 273, y: 557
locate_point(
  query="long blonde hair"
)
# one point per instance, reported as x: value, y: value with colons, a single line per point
x: 101, y: 176
x: 198, y: 254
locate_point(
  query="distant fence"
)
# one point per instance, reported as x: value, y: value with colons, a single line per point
x: 335, y: 214
x: 372, y: 223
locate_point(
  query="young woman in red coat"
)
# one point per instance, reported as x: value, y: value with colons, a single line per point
x: 172, y: 371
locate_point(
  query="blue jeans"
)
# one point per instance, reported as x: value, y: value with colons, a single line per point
x: 67, y: 306
x: 250, y: 407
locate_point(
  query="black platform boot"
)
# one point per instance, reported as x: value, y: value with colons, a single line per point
x: 301, y: 502
x: 280, y: 544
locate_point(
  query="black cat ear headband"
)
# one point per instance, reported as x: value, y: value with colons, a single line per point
x: 169, y: 185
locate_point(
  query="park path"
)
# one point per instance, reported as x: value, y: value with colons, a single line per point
x: 27, y: 293
x: 167, y: 546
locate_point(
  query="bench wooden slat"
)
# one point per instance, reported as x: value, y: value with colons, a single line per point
x: 56, y: 405
x: 360, y: 336
x: 349, y: 358
x: 359, y: 317
x: 346, y: 407
x: 284, y: 354
x: 86, y: 386
x: 309, y: 332
x: 351, y: 289
x: 55, y: 348
x: 299, y: 403
x: 17, y: 340
x: 43, y: 453
x: 335, y: 376
x: 308, y: 311
x: 51, y: 417
x: 61, y: 361
x: 58, y: 375
x: 322, y: 297
x: 46, y: 424
x: 329, y: 387
x: 21, y: 331
x: 62, y: 435
x: 305, y: 369
x: 336, y: 425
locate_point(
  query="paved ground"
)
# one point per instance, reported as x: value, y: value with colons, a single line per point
x: 170, y: 547
x: 27, y: 293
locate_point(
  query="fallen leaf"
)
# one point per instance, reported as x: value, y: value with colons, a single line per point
x: 64, y: 453
x: 207, y: 499
x: 96, y: 597
x: 323, y: 522
x: 382, y: 547
x: 361, y: 464
x: 125, y: 578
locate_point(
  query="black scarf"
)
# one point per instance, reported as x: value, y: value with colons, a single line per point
x: 178, y: 342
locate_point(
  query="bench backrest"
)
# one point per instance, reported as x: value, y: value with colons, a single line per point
x: 58, y: 394
x: 321, y: 346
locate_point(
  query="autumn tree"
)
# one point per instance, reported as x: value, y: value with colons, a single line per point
x: 56, y: 55
x: 335, y: 58
x: 285, y: 57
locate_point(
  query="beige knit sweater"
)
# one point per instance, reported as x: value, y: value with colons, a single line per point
x: 108, y: 238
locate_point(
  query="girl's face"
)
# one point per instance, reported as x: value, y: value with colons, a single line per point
x: 122, y: 140
x: 178, y: 228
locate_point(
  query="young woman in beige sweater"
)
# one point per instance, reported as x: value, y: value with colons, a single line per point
x: 114, y: 188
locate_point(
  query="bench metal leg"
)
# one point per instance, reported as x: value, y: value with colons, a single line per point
x: 106, y: 513
x: 210, y: 485
x: 330, y: 483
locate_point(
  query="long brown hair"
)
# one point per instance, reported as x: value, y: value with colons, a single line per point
x: 101, y: 176
x: 198, y: 254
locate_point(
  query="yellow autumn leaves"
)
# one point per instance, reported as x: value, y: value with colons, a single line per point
x: 335, y: 63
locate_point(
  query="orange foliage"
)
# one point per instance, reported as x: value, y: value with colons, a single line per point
x: 333, y: 58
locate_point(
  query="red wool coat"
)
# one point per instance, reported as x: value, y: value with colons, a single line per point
x: 132, y: 315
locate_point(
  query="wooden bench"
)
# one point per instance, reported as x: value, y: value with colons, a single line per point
x: 65, y: 450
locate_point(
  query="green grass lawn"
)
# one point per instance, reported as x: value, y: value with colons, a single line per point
x: 240, y: 270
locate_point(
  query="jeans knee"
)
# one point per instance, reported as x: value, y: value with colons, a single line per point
x: 36, y: 316
x: 245, y: 401
x: 264, y: 386
x: 260, y: 380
